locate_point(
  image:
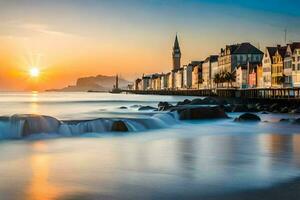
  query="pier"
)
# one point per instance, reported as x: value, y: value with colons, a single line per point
x: 268, y: 95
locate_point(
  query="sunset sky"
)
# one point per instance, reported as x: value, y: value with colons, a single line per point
x: 67, y: 39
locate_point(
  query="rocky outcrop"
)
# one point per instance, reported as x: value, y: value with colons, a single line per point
x: 163, y: 106
x: 247, y: 117
x: 199, y: 112
x: 32, y: 124
x: 143, y: 108
x: 119, y: 126
x: 240, y: 108
x: 123, y: 107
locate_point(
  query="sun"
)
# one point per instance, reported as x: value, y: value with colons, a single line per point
x: 34, y: 72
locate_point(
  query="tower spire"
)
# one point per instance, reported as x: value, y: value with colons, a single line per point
x: 176, y: 55
x: 176, y: 43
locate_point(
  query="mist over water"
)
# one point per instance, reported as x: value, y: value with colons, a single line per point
x: 160, y: 158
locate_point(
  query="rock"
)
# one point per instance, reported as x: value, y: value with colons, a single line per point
x: 163, y: 106
x: 227, y: 108
x: 33, y: 124
x: 240, y: 108
x: 274, y: 107
x: 119, y: 126
x: 295, y: 111
x: 200, y: 112
x: 284, y: 120
x: 247, y: 117
x: 296, y: 121
x: 252, y: 108
x: 207, y: 101
x: 264, y: 112
x: 284, y: 110
x: 184, y: 102
x: 123, y: 107
x: 143, y: 108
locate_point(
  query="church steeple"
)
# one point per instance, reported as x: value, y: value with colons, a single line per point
x: 176, y: 44
x: 176, y: 55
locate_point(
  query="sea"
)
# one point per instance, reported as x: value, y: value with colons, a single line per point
x: 160, y: 157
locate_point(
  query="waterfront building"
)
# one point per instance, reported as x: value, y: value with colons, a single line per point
x: 178, y: 79
x: 267, y: 66
x: 137, y: 84
x: 171, y: 82
x: 277, y: 67
x: 255, y: 74
x: 207, y: 70
x: 197, y: 76
x: 164, y: 81
x: 241, y: 76
x: 238, y: 54
x: 259, y: 76
x: 146, y: 82
x: 176, y: 54
x: 295, y: 49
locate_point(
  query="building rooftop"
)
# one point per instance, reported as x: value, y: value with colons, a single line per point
x: 246, y: 48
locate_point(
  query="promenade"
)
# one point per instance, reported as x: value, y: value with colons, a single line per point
x: 268, y: 95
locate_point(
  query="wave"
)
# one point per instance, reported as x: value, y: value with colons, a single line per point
x: 21, y: 126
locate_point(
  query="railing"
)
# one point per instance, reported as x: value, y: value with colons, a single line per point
x: 255, y: 93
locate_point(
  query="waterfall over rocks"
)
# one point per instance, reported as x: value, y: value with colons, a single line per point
x: 19, y: 126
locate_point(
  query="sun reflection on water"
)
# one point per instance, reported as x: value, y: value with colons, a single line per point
x: 40, y: 186
x: 34, y: 98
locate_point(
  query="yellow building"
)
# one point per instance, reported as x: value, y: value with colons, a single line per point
x: 277, y: 67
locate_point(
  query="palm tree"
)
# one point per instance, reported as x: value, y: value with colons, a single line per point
x: 217, y: 79
x: 230, y: 77
x: 223, y: 77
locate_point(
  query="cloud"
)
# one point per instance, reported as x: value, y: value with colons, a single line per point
x: 21, y: 29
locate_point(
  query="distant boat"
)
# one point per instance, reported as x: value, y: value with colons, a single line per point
x: 116, y: 89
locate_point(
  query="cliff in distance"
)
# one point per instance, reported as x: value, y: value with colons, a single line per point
x: 94, y: 83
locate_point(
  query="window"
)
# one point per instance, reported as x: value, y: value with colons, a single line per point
x: 298, y: 58
x: 294, y: 66
x: 299, y: 66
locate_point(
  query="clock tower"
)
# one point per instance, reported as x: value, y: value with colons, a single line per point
x: 176, y: 55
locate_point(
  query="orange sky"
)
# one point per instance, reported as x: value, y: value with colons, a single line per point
x: 71, y: 39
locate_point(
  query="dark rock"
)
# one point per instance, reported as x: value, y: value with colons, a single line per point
x: 296, y: 121
x: 119, y: 126
x: 163, y: 106
x: 207, y: 101
x: 274, y: 107
x: 264, y: 112
x: 295, y: 111
x: 284, y: 120
x: 247, y: 117
x: 284, y: 110
x: 240, y: 108
x: 252, y: 108
x: 33, y: 124
x: 227, y: 108
x: 185, y: 102
x: 142, y: 108
x: 200, y: 112
x: 123, y: 107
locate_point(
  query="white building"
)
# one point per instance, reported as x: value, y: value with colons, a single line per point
x: 178, y: 78
x: 267, y: 66
x: 145, y: 83
x: 207, y: 70
x: 241, y: 76
x: 295, y: 48
x: 187, y: 76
